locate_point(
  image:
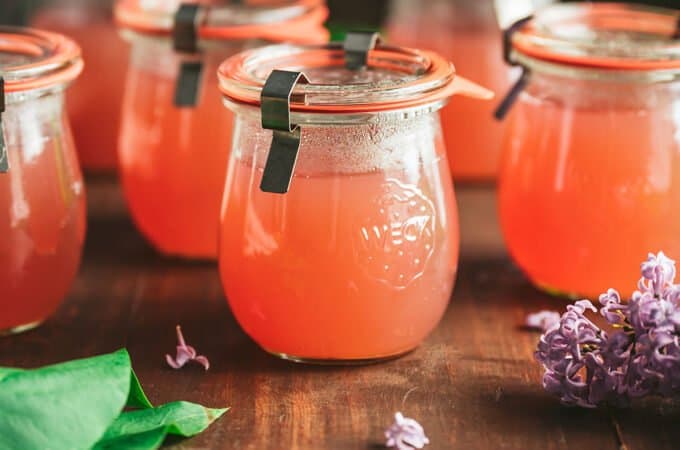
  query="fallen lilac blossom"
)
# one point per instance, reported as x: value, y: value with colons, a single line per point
x: 542, y: 320
x: 639, y: 356
x: 185, y: 354
x: 405, y: 434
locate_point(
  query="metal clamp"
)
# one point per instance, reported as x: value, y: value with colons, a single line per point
x: 275, y: 108
x: 510, y: 98
x: 357, y: 45
x: 4, y: 156
x: 184, y: 32
x: 185, y: 39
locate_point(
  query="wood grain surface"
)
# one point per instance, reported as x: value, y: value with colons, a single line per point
x: 473, y: 384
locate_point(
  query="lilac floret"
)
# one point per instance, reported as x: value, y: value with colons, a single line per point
x: 612, y: 308
x: 657, y: 272
x: 405, y: 434
x: 185, y: 353
x: 542, y: 320
x: 565, y: 352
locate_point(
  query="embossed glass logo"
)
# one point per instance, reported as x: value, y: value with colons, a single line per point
x: 395, y: 243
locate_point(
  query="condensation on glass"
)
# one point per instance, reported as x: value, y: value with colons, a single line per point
x: 590, y: 178
x: 173, y: 149
x: 42, y: 208
x: 356, y: 262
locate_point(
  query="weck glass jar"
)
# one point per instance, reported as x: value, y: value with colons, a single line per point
x: 172, y: 152
x: 466, y: 32
x: 42, y: 208
x: 94, y: 103
x: 590, y: 179
x: 356, y: 262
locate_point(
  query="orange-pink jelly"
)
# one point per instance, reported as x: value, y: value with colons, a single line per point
x: 355, y: 261
x: 590, y: 179
x: 42, y: 205
x: 173, y: 158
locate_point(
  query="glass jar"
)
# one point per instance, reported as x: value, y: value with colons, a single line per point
x: 42, y: 207
x: 590, y: 179
x: 466, y: 32
x: 94, y: 103
x: 173, y: 158
x: 356, y: 262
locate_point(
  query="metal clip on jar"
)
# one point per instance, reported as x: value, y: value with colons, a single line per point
x: 42, y: 207
x: 176, y: 134
x: 590, y: 180
x: 339, y: 229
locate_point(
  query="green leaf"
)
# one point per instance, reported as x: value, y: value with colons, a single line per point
x: 78, y: 404
x: 149, y: 440
x: 137, y: 398
x: 6, y: 371
x: 67, y: 405
x: 179, y: 418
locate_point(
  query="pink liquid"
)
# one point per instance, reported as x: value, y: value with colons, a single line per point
x: 344, y: 266
x: 173, y: 161
x: 586, y: 193
x: 42, y: 226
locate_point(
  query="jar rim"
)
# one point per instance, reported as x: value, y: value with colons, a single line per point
x: 294, y: 20
x: 395, y: 78
x: 614, y: 36
x: 35, y: 59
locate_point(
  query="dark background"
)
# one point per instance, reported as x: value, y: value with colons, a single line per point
x: 344, y: 13
x: 370, y: 13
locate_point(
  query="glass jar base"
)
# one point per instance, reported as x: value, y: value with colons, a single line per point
x: 338, y: 361
x: 20, y: 328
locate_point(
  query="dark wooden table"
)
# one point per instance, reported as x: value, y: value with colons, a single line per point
x: 473, y: 384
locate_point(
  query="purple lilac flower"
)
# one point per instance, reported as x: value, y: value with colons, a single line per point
x: 608, y: 372
x: 657, y: 273
x: 586, y: 366
x: 185, y: 354
x: 405, y: 434
x: 542, y: 320
x: 566, y: 351
x: 612, y: 308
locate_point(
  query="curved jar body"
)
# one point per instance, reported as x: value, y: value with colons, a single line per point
x: 94, y: 103
x: 42, y: 206
x: 357, y: 261
x: 350, y: 254
x: 467, y: 33
x: 173, y: 158
x: 590, y: 179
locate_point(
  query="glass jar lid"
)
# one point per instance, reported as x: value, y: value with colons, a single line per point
x: 612, y: 36
x: 394, y: 78
x: 33, y: 59
x: 270, y: 20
